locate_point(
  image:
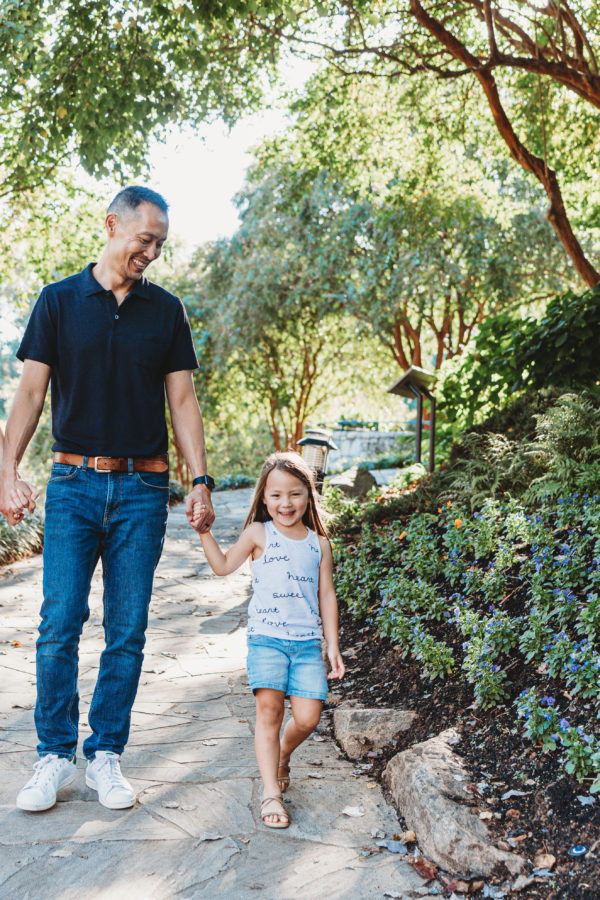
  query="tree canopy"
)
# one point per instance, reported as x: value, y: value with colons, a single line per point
x: 98, y: 79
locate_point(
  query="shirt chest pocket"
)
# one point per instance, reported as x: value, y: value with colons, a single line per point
x: 148, y: 352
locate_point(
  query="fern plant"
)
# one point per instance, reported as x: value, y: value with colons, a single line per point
x: 567, y: 440
x: 492, y: 465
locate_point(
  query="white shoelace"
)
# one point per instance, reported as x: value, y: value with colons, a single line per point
x: 114, y: 771
x: 43, y: 770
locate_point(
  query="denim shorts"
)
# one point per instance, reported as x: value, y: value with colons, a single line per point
x: 295, y: 667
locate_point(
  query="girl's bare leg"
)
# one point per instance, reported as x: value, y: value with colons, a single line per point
x: 269, y: 716
x: 305, y: 718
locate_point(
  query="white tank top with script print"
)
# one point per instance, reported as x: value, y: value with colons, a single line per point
x: 285, y: 582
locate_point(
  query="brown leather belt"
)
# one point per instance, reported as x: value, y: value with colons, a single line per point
x: 115, y: 463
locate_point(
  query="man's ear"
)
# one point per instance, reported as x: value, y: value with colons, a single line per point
x: 111, y: 222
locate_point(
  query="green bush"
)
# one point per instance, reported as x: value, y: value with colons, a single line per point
x: 235, y: 480
x: 20, y: 540
x: 567, y: 448
x: 512, y: 586
x: 512, y: 354
x: 552, y: 452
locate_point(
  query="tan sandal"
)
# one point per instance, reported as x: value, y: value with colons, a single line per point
x: 282, y: 814
x: 283, y: 776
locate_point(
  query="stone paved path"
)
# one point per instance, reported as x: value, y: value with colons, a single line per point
x: 195, y: 831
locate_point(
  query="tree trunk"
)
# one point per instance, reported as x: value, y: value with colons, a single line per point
x: 556, y: 214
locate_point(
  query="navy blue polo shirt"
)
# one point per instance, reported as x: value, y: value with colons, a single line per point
x: 108, y: 363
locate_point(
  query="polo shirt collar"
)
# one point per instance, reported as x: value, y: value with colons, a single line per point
x: 141, y: 288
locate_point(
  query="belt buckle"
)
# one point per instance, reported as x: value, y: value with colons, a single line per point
x: 96, y: 469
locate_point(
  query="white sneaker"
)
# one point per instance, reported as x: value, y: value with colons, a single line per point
x: 103, y: 774
x: 52, y: 773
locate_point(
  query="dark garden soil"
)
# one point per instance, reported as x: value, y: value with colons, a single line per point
x: 548, y: 818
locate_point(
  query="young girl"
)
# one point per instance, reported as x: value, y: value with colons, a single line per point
x: 292, y: 606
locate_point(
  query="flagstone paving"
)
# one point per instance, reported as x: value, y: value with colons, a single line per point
x: 195, y: 831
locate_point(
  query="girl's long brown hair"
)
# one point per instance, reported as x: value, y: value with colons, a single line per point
x: 293, y: 464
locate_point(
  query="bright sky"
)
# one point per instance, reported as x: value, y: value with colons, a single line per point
x: 199, y: 174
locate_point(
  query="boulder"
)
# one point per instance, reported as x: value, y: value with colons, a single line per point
x: 354, y: 482
x: 428, y: 784
x: 384, y: 476
x: 359, y: 730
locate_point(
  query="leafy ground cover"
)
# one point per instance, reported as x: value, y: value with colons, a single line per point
x: 545, y: 815
x: 21, y: 540
x: 488, y: 595
x: 487, y: 616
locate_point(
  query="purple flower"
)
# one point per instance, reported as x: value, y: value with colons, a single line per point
x: 548, y: 701
x: 563, y: 724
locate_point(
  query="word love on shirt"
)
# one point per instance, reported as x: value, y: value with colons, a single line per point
x: 270, y: 559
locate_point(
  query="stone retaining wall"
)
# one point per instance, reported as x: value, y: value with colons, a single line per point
x: 357, y: 444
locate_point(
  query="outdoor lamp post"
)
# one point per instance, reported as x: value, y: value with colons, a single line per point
x: 415, y: 384
x: 316, y: 445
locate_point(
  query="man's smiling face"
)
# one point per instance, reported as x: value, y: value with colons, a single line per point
x: 136, y: 240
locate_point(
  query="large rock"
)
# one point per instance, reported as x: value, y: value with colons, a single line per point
x: 354, y: 482
x: 359, y: 730
x: 428, y: 784
x: 384, y: 476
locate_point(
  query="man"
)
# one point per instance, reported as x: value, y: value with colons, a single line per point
x: 111, y: 343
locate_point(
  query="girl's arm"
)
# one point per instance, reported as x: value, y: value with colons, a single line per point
x: 226, y: 563
x: 328, y: 608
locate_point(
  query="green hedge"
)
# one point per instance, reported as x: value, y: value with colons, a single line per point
x: 20, y: 540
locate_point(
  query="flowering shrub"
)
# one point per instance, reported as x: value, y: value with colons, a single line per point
x: 483, y: 673
x: 508, y: 585
x: 541, y: 720
x: 436, y: 656
x: 537, y: 637
x: 588, y: 622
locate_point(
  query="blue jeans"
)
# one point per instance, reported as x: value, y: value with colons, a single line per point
x: 119, y: 518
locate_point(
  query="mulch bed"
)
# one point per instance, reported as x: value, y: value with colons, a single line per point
x: 548, y: 818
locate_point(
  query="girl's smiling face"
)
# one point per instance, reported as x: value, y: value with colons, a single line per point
x: 286, y: 498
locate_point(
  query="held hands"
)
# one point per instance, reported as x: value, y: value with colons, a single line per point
x: 199, y: 509
x: 16, y: 496
x: 337, y: 663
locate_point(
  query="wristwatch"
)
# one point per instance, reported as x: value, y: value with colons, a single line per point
x: 204, y: 479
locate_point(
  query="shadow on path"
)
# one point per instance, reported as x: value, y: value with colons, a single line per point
x: 194, y: 831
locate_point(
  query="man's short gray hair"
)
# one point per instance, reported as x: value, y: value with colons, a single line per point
x: 128, y: 200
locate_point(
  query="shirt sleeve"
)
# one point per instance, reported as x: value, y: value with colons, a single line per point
x: 182, y: 354
x: 39, y: 341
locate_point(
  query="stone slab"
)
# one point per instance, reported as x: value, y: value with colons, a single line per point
x: 428, y: 783
x: 81, y: 821
x: 359, y: 730
x: 203, y: 808
x: 105, y: 871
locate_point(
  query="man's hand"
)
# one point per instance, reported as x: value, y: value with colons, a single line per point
x: 16, y: 496
x: 199, y: 509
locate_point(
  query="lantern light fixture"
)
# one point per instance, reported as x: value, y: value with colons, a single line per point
x: 316, y: 444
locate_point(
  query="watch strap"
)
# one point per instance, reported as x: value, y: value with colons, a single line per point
x: 204, y: 479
